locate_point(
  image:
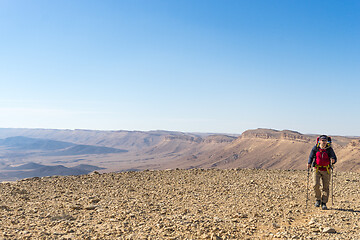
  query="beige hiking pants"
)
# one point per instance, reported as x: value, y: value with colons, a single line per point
x: 323, y: 195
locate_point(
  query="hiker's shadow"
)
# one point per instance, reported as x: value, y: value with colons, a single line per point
x: 346, y: 210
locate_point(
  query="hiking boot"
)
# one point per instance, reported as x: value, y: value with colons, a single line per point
x: 323, y: 206
x: 317, y: 203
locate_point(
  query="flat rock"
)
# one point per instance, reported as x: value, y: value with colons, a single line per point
x: 329, y: 230
x: 90, y: 207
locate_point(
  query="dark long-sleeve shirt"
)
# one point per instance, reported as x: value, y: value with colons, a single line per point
x: 314, y: 150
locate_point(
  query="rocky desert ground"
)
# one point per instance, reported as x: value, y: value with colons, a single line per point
x: 178, y: 204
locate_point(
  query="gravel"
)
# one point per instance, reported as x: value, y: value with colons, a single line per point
x: 178, y: 204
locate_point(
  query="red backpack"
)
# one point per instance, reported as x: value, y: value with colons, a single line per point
x: 322, y: 157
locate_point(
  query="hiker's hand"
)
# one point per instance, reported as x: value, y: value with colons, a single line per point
x: 333, y: 161
x: 309, y: 166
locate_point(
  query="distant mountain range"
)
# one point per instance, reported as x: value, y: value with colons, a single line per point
x: 52, y: 147
x: 26, y: 143
x: 29, y: 170
x: 136, y: 150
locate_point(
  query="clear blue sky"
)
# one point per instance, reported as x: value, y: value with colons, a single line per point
x: 186, y: 65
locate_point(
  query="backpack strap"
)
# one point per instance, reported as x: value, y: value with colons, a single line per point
x: 327, y: 168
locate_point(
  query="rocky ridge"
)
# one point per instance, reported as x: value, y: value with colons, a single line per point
x: 178, y: 204
x: 275, y: 134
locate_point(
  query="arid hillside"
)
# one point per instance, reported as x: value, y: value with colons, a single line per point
x: 116, y: 139
x: 271, y: 149
x: 179, y: 204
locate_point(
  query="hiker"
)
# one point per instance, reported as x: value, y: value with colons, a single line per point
x: 322, y: 157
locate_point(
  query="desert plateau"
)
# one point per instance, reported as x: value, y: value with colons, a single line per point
x: 84, y: 184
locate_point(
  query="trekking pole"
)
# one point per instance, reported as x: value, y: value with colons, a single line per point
x: 332, y: 185
x: 307, y: 188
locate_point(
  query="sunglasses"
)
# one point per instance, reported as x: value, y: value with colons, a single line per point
x: 323, y: 140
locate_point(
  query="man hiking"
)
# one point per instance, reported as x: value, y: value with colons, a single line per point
x: 322, y: 157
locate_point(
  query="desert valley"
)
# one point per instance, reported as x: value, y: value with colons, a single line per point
x: 45, y: 152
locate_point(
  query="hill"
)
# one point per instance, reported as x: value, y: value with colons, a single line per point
x: 26, y: 166
x: 272, y: 149
x: 51, y: 147
x: 31, y: 169
x: 26, y: 143
x: 178, y: 204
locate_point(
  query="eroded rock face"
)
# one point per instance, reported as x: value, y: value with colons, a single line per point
x: 178, y: 204
x: 275, y: 134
